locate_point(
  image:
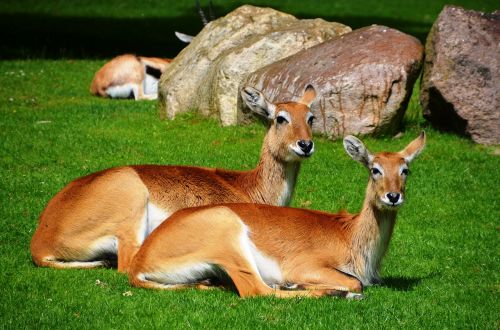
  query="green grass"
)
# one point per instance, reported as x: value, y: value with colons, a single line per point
x: 441, y: 270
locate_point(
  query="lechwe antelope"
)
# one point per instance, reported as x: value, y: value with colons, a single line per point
x: 111, y: 212
x: 264, y: 248
x: 129, y: 77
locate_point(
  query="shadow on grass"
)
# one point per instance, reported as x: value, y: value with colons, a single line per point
x: 403, y: 283
x: 51, y: 37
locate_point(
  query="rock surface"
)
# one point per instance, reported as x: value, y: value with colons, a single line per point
x: 461, y: 80
x: 207, y: 73
x: 363, y: 79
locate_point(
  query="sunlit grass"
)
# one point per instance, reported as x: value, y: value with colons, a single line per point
x: 441, y: 270
x: 442, y: 267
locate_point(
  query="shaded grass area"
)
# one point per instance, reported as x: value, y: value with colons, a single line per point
x: 97, y: 29
x: 442, y: 269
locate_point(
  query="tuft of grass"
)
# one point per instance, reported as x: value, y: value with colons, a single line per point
x: 442, y: 269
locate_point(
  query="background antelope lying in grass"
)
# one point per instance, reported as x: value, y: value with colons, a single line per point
x: 263, y: 248
x: 129, y: 77
x: 111, y: 212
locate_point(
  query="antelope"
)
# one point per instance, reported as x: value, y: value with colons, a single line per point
x: 281, y: 251
x: 111, y: 212
x: 129, y: 76
x: 188, y: 38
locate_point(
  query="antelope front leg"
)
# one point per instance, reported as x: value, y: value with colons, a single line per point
x: 327, y: 279
x: 250, y: 284
x: 325, y: 282
x: 126, y: 252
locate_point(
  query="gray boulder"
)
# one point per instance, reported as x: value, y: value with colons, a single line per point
x: 207, y: 73
x: 461, y: 80
x: 363, y: 79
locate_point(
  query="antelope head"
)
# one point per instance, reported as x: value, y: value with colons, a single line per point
x: 289, y: 137
x: 388, y: 170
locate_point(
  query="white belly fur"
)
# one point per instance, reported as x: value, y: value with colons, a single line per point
x: 122, y: 91
x: 150, y: 85
x: 155, y: 217
x: 191, y: 273
x: 103, y: 245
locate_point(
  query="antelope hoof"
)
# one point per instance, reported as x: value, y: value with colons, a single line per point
x: 288, y: 286
x: 355, y: 296
x: 345, y: 294
x: 337, y: 293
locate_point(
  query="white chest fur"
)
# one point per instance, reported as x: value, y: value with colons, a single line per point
x: 288, y: 185
x: 268, y: 269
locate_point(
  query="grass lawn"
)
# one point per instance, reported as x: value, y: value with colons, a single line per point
x: 442, y: 268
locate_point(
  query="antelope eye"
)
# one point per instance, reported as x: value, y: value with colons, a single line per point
x: 405, y: 171
x: 375, y: 171
x: 311, y: 120
x: 281, y: 120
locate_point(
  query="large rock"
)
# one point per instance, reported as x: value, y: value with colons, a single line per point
x: 461, y: 80
x: 206, y: 74
x: 363, y: 79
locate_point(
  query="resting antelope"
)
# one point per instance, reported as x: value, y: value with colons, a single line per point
x: 264, y: 248
x: 129, y: 76
x: 112, y: 211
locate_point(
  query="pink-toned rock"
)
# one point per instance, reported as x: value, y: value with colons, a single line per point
x: 363, y: 79
x: 207, y: 73
x: 461, y: 81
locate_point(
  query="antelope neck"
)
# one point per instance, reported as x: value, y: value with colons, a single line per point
x: 371, y: 236
x: 275, y: 180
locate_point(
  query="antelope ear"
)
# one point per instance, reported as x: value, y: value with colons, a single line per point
x: 309, y: 96
x: 256, y: 101
x: 413, y: 149
x: 357, y: 150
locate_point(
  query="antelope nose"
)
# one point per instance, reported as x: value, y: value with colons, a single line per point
x: 393, y: 197
x: 305, y: 145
